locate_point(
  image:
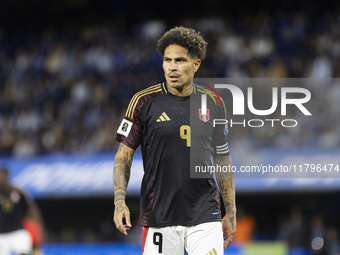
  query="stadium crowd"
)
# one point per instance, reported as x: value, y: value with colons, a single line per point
x: 65, y: 90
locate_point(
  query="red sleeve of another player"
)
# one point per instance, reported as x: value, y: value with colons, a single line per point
x: 130, y: 129
x: 34, y: 229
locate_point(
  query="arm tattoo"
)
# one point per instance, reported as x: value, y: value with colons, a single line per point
x: 121, y: 174
x: 226, y: 185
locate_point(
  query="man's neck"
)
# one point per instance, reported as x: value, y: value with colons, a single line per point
x: 181, y: 92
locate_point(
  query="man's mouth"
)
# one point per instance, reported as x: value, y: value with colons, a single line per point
x: 173, y: 77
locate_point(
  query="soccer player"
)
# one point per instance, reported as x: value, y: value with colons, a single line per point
x: 176, y: 211
x: 14, y: 208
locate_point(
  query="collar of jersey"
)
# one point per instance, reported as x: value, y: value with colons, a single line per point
x: 179, y: 98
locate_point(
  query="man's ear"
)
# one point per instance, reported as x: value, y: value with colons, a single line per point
x: 197, y: 64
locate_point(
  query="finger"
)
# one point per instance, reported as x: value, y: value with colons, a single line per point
x: 226, y: 243
x: 229, y: 239
x: 127, y: 219
x: 119, y: 224
x: 124, y: 230
x: 225, y: 235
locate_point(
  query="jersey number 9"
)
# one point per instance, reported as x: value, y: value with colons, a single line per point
x: 185, y: 134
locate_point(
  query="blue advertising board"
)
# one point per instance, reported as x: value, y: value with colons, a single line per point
x: 91, y: 175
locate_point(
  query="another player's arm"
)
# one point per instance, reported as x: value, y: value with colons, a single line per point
x: 34, y: 214
x: 121, y: 176
x: 226, y: 185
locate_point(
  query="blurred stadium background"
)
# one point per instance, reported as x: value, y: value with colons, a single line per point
x: 68, y: 69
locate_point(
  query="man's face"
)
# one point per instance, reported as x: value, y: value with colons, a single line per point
x: 178, y: 66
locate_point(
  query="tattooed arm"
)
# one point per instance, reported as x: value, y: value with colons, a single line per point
x: 226, y: 185
x: 121, y: 175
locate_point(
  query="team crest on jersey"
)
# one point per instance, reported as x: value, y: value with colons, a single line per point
x: 204, y: 117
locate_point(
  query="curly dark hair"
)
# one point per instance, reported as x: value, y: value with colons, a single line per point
x: 185, y: 37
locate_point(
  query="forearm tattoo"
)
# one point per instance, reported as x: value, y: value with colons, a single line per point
x: 226, y: 185
x: 121, y: 173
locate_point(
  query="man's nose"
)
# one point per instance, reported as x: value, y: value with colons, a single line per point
x: 172, y: 66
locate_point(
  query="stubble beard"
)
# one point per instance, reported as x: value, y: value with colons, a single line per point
x: 180, y: 86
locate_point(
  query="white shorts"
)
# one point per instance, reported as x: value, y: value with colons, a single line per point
x: 202, y: 239
x: 19, y: 242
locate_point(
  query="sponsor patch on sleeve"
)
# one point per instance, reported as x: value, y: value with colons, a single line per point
x: 125, y: 127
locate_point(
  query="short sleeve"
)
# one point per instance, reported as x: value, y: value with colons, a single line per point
x: 130, y: 129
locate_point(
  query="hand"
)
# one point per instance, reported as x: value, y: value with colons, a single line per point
x: 122, y: 214
x: 229, y: 229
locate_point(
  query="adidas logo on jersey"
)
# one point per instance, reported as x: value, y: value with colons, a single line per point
x: 212, y: 252
x: 163, y: 117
